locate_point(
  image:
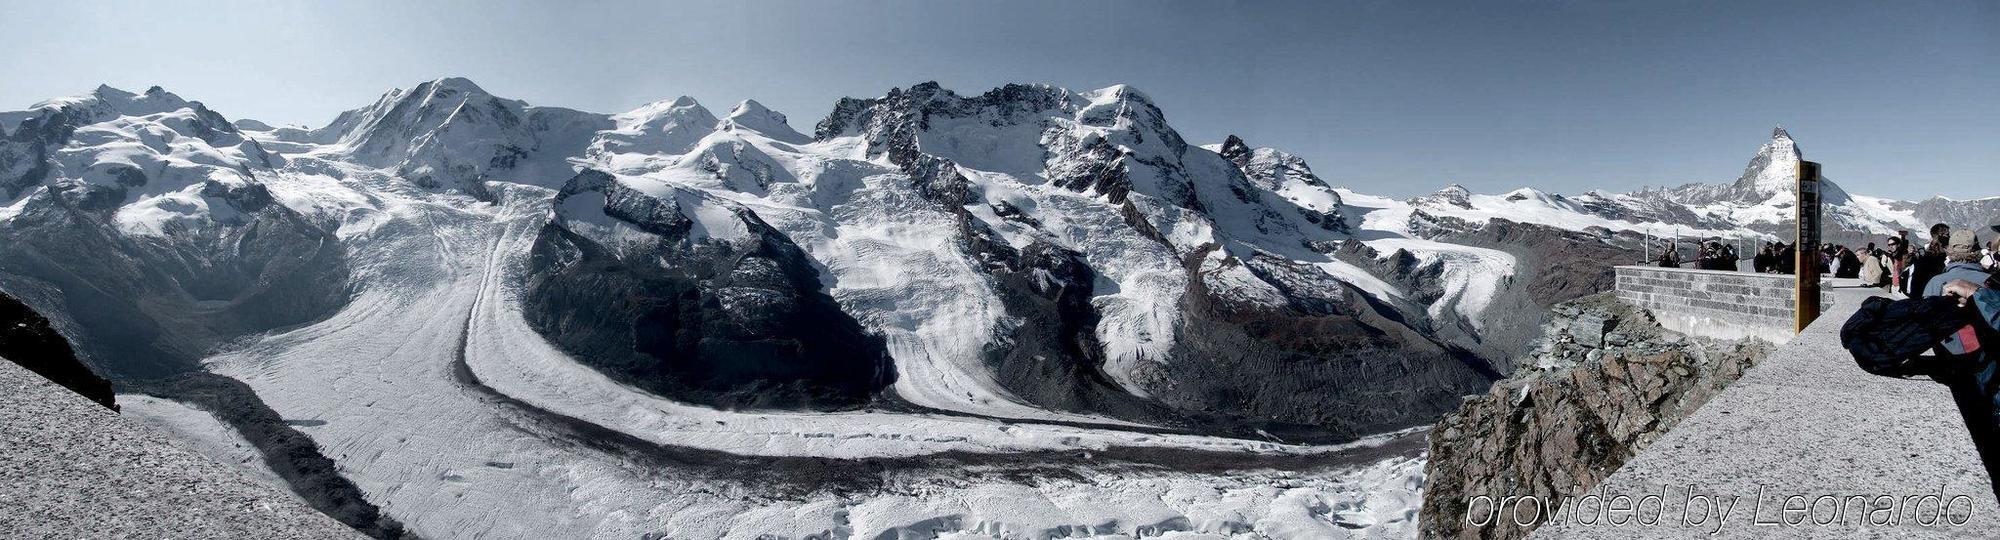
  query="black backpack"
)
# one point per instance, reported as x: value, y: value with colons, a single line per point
x: 1889, y: 337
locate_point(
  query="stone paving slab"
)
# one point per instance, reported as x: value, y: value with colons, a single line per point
x: 1807, y: 422
x: 70, y: 468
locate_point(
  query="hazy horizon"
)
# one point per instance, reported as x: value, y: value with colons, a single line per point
x: 1389, y: 98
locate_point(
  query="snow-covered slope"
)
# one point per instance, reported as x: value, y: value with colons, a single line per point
x: 1030, y: 312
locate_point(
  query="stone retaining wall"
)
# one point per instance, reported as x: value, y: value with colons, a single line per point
x: 1713, y: 303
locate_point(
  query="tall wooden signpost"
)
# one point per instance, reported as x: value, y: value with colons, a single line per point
x: 1806, y: 246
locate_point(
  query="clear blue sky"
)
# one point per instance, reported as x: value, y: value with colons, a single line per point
x: 1395, y: 98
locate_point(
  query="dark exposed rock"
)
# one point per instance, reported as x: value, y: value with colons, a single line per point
x: 27, y: 339
x: 1326, y: 364
x: 1604, y: 382
x: 732, y: 322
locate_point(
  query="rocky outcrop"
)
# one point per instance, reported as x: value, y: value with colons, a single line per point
x: 1327, y: 361
x: 1604, y: 382
x: 1289, y: 177
x: 695, y: 299
x: 1553, y: 266
x: 26, y: 338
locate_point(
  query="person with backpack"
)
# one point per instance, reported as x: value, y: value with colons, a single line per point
x: 1985, y: 298
x: 1961, y: 252
x: 1954, y: 320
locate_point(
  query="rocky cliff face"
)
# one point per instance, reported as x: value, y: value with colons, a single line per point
x: 693, y: 298
x: 1604, y: 382
x: 28, y: 339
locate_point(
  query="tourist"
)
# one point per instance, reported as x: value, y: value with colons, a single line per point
x: 1874, y: 268
x: 1985, y: 298
x: 1961, y: 254
x: 1899, y: 252
x: 1670, y: 257
x: 1972, y: 377
x: 1930, y: 261
x: 1848, y: 265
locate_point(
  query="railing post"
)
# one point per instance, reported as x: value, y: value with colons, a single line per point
x: 1806, y: 245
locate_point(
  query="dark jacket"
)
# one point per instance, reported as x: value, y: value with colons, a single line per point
x: 1850, y: 265
x: 1925, y: 266
x: 1935, y: 287
x: 1888, y: 337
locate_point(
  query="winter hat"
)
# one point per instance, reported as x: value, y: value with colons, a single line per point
x: 1964, y: 246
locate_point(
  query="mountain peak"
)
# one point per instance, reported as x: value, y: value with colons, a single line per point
x: 106, y: 90
x: 750, y: 107
x: 461, y: 84
x: 754, y: 116
x: 1235, y: 150
x: 1233, y: 141
x: 1125, y: 92
x: 1774, y: 170
x: 118, y: 101
x: 678, y: 106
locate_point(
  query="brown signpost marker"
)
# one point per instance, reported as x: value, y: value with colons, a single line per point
x: 1806, y: 244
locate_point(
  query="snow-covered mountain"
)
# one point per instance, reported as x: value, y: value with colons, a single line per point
x: 1758, y: 205
x: 1031, y: 311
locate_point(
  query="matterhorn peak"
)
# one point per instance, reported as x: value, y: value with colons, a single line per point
x: 1773, y: 171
